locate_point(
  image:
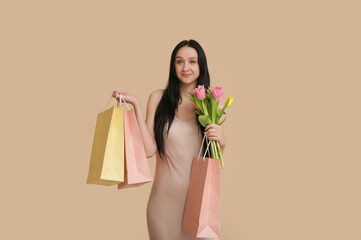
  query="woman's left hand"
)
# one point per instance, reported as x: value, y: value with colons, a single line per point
x: 215, y: 132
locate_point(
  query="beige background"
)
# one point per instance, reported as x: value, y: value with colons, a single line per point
x: 292, y: 161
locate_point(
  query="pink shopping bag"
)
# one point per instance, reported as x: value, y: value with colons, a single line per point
x: 136, y: 170
x: 202, y: 213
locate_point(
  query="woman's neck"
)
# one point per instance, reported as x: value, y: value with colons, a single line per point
x: 185, y: 89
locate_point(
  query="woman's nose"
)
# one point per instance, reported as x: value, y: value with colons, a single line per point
x: 185, y: 66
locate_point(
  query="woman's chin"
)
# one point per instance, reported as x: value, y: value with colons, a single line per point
x: 188, y: 81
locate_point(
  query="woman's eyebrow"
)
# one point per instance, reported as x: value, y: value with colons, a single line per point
x: 190, y: 57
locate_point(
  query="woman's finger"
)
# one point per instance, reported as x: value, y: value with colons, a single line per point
x: 211, y: 130
x: 212, y: 126
x: 211, y: 134
x: 213, y: 138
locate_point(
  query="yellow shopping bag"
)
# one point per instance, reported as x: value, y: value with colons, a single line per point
x: 107, y: 156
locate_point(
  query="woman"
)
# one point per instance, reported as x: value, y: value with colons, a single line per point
x: 172, y: 132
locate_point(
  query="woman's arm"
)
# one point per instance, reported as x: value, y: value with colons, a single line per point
x: 146, y: 127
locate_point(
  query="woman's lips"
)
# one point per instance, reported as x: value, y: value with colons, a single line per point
x: 186, y: 75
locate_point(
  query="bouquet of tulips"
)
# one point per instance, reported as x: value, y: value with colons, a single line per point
x: 206, y: 102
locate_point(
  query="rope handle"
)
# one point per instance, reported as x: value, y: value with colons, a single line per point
x: 121, y: 96
x: 205, y: 152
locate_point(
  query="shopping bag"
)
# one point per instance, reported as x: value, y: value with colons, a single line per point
x: 202, y: 213
x: 106, y: 165
x: 136, y: 170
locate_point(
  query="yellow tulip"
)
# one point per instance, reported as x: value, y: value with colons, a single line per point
x: 229, y: 101
x: 197, y: 106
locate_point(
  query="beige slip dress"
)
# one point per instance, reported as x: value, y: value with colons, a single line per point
x: 169, y: 191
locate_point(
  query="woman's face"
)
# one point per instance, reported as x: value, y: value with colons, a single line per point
x: 186, y: 65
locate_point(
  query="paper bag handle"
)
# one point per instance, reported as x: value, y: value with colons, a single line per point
x: 117, y: 102
x: 200, y: 150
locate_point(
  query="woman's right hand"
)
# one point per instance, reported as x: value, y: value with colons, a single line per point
x: 128, y: 97
x: 145, y: 126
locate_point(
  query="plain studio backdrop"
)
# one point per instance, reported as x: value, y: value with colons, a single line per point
x: 292, y: 161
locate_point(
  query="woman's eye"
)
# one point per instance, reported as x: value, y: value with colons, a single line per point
x: 179, y: 61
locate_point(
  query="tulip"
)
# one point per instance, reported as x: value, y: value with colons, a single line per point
x: 217, y: 92
x: 208, y: 111
x: 200, y: 92
x: 229, y: 101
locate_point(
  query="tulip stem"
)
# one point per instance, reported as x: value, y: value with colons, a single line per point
x: 220, y: 154
x: 216, y: 152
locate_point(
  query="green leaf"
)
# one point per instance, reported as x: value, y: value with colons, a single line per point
x: 205, y: 107
x: 204, y: 120
x: 209, y: 106
x: 190, y: 96
x: 223, y: 120
x: 220, y: 112
x: 214, y: 107
x: 199, y: 103
x: 199, y: 112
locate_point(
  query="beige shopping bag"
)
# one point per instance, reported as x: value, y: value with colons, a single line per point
x: 107, y: 156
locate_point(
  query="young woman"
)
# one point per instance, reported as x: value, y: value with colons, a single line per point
x: 172, y: 132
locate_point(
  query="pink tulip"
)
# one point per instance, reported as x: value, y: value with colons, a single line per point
x: 217, y: 92
x: 200, y: 92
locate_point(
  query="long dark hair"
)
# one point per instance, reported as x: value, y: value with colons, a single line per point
x: 169, y: 102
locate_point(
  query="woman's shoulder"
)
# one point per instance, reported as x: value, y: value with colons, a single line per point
x: 155, y: 96
x: 158, y: 91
